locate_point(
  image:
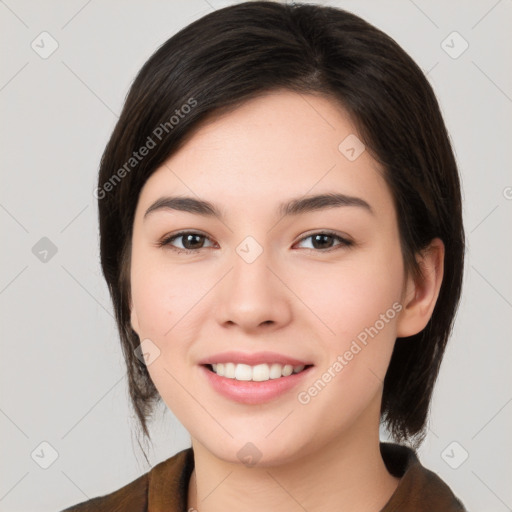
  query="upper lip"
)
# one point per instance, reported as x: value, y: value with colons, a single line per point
x: 253, y: 359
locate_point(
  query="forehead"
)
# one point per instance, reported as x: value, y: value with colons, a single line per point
x: 274, y: 146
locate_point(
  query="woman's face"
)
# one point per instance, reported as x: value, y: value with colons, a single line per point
x: 320, y: 286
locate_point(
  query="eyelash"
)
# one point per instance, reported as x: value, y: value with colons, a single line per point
x: 344, y: 242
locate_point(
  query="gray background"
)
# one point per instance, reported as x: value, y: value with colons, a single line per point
x: 62, y: 374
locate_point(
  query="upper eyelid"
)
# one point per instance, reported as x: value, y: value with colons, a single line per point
x: 345, y: 239
x: 167, y: 239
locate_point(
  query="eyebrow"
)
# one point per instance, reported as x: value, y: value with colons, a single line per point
x: 296, y: 206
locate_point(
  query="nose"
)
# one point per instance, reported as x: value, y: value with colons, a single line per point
x: 253, y: 296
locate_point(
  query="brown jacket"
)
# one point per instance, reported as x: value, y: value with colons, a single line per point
x: 165, y: 487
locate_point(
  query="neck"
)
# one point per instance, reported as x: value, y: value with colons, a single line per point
x: 346, y: 474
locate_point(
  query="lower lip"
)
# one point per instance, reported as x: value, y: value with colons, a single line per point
x: 250, y: 392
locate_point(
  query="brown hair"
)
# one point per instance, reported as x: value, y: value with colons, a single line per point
x: 239, y: 52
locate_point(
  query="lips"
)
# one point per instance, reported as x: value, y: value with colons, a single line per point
x: 254, y: 378
x: 253, y: 359
x: 252, y: 392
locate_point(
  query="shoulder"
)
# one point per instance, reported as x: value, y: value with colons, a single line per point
x: 419, y: 489
x: 166, y: 482
x: 130, y: 498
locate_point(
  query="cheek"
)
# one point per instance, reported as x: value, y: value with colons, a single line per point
x: 153, y: 302
x: 162, y: 294
x: 164, y: 299
x: 354, y: 297
x: 360, y: 305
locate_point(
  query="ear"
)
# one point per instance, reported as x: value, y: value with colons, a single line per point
x: 420, y: 294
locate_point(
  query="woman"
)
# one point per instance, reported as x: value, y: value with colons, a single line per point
x: 281, y: 234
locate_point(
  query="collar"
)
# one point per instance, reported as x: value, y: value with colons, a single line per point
x: 419, y: 489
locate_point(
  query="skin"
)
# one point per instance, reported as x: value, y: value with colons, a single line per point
x: 298, y: 299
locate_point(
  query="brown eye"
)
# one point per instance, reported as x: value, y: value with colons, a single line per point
x: 190, y: 241
x: 324, y: 241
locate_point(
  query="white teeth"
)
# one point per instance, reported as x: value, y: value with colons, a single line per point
x: 257, y: 373
x: 229, y: 370
x: 260, y: 372
x: 287, y: 370
x: 275, y: 371
x: 242, y: 372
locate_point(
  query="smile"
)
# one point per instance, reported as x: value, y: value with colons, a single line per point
x: 257, y: 373
x: 249, y: 390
